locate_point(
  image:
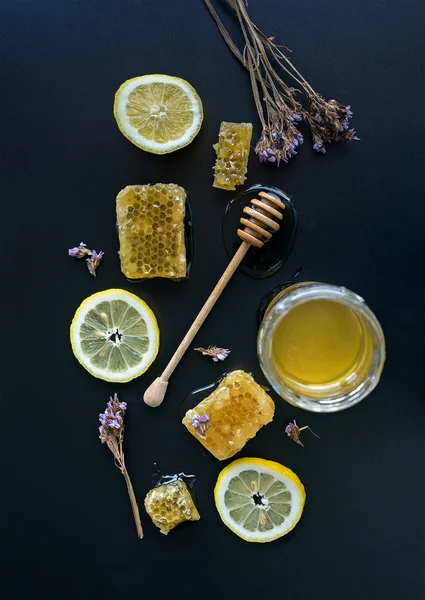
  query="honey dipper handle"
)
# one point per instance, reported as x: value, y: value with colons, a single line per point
x: 155, y: 393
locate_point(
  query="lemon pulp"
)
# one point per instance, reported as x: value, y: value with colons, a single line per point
x: 259, y: 500
x: 114, y: 335
x: 158, y: 113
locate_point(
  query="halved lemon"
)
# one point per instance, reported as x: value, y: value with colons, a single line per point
x: 259, y: 500
x: 115, y: 335
x: 158, y: 113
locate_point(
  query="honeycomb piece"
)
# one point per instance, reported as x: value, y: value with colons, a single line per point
x: 151, y: 231
x: 230, y: 416
x: 169, y: 505
x: 232, y: 155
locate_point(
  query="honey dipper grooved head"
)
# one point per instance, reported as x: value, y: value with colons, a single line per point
x: 264, y: 215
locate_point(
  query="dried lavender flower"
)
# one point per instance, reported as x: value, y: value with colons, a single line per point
x: 319, y: 147
x: 330, y: 122
x: 111, y: 433
x: 94, y: 261
x: 201, y: 424
x: 80, y: 251
x: 92, y: 257
x: 293, y: 431
x: 215, y: 353
x: 112, y: 420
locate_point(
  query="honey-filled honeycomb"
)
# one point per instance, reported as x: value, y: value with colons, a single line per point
x: 169, y: 505
x: 232, y: 150
x: 151, y: 231
x: 230, y: 416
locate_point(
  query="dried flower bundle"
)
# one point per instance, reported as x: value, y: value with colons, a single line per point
x: 111, y: 433
x: 215, y: 353
x: 92, y: 257
x: 278, y: 107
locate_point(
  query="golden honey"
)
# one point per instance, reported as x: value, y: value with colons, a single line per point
x: 235, y: 410
x: 232, y: 151
x: 151, y: 231
x: 321, y: 347
x: 169, y: 505
x: 320, y: 342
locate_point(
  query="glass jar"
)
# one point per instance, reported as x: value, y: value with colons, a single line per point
x: 320, y: 347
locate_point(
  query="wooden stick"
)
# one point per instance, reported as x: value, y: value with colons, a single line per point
x: 155, y: 393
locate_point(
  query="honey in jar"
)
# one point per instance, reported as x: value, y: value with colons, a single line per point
x: 321, y: 347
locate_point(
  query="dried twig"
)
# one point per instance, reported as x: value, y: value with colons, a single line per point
x: 279, y: 111
x: 111, y: 433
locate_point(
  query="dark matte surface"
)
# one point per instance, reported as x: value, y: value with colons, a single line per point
x: 66, y: 526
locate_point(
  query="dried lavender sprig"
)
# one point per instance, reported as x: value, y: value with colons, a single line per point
x: 80, y: 251
x: 111, y: 433
x: 293, y: 431
x: 94, y: 261
x: 215, y: 353
x: 92, y: 257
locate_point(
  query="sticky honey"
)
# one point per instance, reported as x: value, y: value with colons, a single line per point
x: 320, y: 342
x: 320, y: 346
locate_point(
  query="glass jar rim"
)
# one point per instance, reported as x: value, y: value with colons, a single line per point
x: 300, y: 293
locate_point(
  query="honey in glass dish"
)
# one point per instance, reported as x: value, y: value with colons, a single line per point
x: 321, y: 347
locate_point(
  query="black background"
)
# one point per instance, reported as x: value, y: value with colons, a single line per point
x: 66, y: 526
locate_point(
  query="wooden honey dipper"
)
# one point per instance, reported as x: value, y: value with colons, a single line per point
x: 263, y: 219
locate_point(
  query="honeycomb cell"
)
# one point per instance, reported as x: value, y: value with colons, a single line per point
x: 144, y: 229
x: 169, y: 505
x: 231, y: 415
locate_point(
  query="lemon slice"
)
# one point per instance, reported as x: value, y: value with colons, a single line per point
x: 115, y: 335
x: 259, y: 500
x: 158, y: 113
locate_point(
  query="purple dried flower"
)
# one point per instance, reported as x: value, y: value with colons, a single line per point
x: 92, y: 257
x: 94, y: 261
x: 319, y: 147
x: 112, y: 420
x: 329, y: 122
x: 290, y: 427
x: 222, y: 355
x: 200, y: 424
x: 262, y: 156
x: 80, y: 251
x: 215, y: 353
x: 293, y: 431
x: 296, y: 117
x: 271, y: 157
x: 277, y: 138
x: 267, y: 155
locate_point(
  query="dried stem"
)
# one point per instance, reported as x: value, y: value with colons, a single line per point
x: 251, y: 62
x: 112, y: 434
x: 267, y: 66
x: 133, y: 502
